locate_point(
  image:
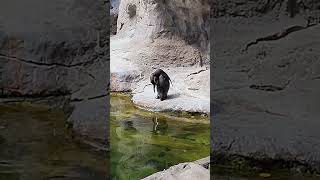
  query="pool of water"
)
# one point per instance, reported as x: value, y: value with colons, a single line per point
x: 143, y: 142
x: 35, y: 144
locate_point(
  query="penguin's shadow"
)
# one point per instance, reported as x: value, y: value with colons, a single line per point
x: 173, y: 96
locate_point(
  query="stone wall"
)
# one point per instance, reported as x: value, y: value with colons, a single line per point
x: 58, y: 48
x: 265, y: 80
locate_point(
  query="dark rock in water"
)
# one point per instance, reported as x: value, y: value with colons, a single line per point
x: 161, y: 154
x: 127, y: 124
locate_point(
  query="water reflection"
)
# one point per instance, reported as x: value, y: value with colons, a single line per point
x: 160, y: 126
x: 34, y: 144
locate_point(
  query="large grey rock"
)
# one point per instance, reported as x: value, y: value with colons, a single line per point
x: 197, y: 170
x: 265, y: 90
x: 175, y: 31
x: 51, y: 48
x: 186, y: 19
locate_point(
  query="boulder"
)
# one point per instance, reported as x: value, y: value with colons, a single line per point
x: 265, y: 82
x: 197, y: 170
x: 58, y: 48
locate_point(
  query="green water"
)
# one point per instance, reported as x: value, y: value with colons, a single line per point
x: 35, y: 144
x: 140, y: 148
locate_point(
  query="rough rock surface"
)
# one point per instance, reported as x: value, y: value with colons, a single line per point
x: 169, y: 35
x: 58, y: 48
x: 114, y: 10
x: 266, y: 87
x: 198, y: 170
x: 184, y: 19
x: 188, y: 92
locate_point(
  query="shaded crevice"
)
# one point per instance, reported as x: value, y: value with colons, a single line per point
x: 284, y: 65
x: 229, y: 88
x: 244, y: 70
x: 45, y: 64
x: 97, y: 97
x: 39, y: 95
x: 271, y: 88
x: 278, y: 35
x: 89, y: 98
x: 196, y: 72
x: 230, y: 145
x: 254, y: 163
x: 266, y: 87
x: 276, y: 114
x: 143, y: 88
x: 316, y: 78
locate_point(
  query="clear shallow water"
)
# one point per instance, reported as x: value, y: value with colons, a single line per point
x: 34, y: 144
x: 141, y: 147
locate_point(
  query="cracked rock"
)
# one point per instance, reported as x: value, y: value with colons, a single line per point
x: 267, y: 97
x: 61, y: 49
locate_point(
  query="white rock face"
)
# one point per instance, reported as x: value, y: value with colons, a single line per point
x: 184, y: 19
